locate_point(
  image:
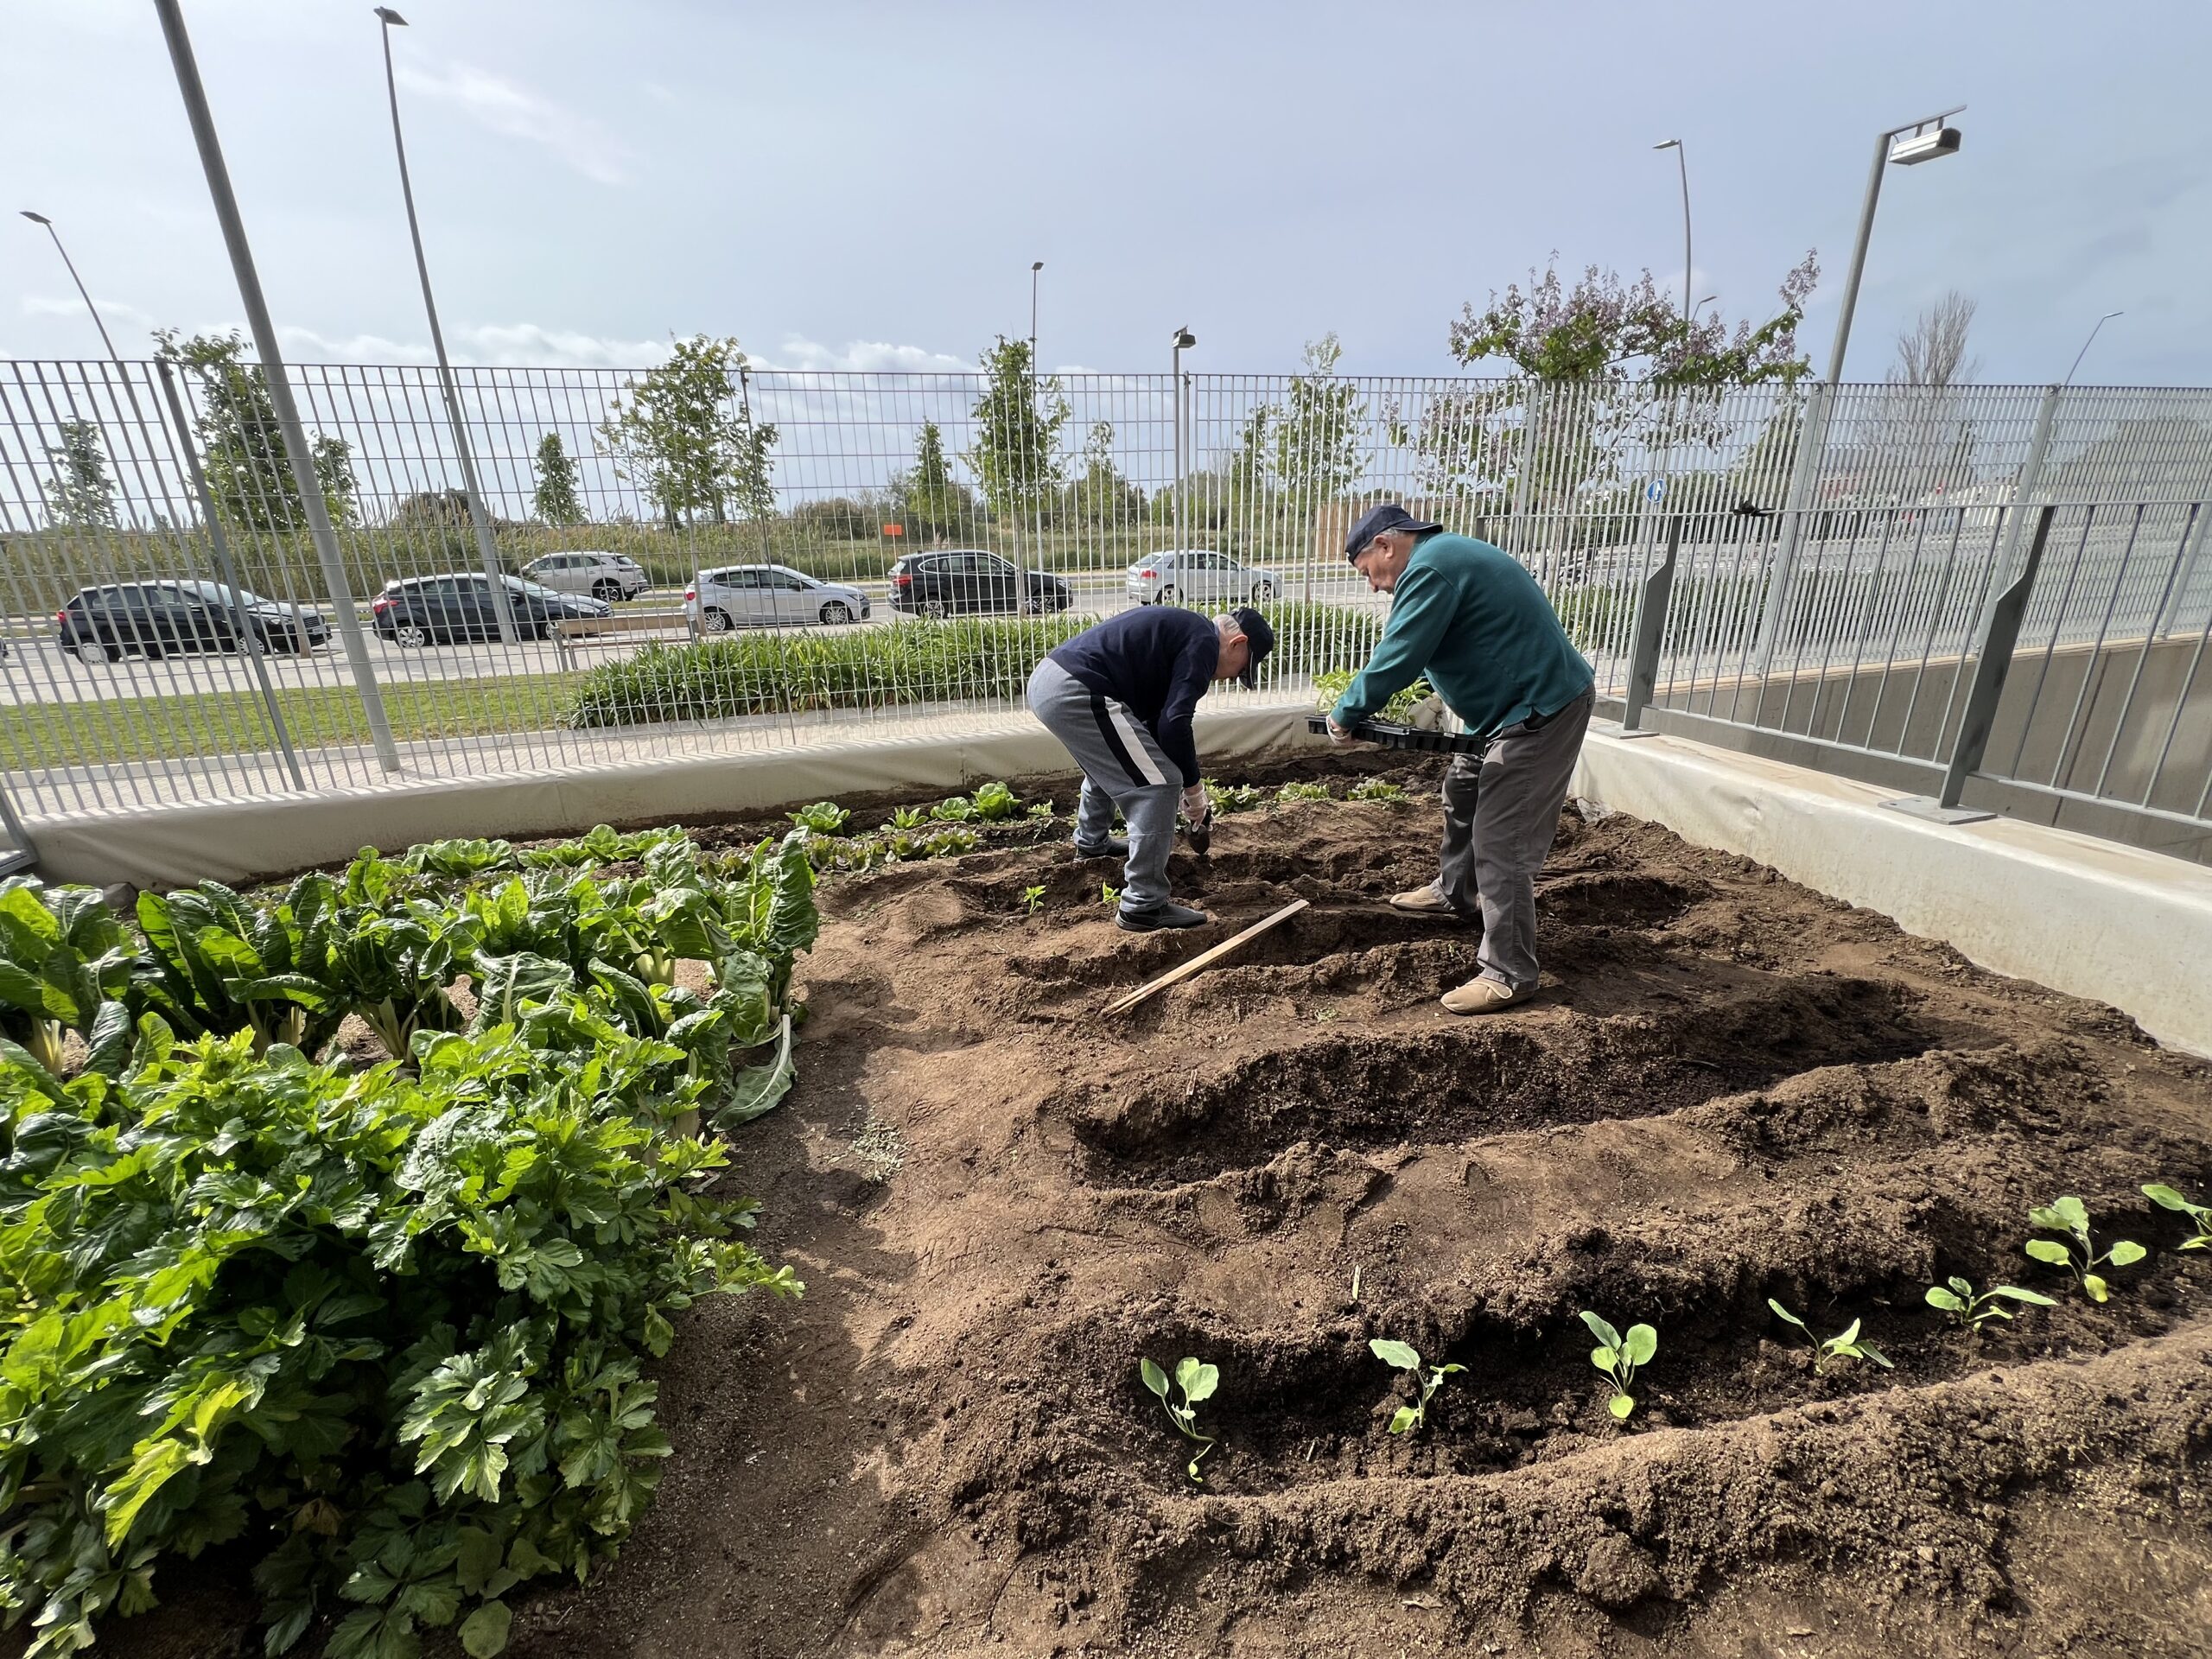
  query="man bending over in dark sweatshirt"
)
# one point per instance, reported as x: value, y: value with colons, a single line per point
x: 1120, y: 696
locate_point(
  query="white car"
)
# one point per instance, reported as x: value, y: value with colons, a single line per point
x: 1190, y: 576
x: 609, y: 576
x: 769, y: 595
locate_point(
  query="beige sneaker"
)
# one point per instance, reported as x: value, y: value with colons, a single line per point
x: 1485, y: 995
x: 1423, y: 901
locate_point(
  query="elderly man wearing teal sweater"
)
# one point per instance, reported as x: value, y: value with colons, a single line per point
x: 1469, y: 618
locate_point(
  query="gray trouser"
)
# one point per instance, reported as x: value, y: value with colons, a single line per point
x: 1123, y: 766
x: 1501, y: 811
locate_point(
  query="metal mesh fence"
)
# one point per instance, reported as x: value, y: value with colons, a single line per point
x: 711, y: 561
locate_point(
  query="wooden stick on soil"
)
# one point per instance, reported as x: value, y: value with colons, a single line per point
x: 1175, y: 975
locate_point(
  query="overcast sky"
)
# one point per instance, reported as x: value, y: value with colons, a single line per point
x: 864, y: 186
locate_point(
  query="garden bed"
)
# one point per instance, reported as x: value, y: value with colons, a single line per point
x: 1729, y: 1089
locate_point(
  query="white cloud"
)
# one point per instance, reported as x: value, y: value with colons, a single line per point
x: 114, y: 311
x: 503, y: 107
x: 514, y: 345
x: 864, y: 354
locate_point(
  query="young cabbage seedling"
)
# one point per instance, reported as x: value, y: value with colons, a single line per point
x: 1958, y: 1299
x: 1196, y: 1383
x: 1618, y: 1356
x: 1845, y: 1344
x: 1401, y: 1356
x: 1032, y: 901
x: 2076, y: 1253
x: 2199, y: 1216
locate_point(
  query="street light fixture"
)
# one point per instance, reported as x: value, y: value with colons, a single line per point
x: 1682, y: 166
x: 1035, y: 265
x: 41, y: 218
x: 1184, y: 340
x: 486, y: 552
x: 1908, y: 145
x: 2086, y: 344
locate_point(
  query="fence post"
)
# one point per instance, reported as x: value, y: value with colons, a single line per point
x: 2031, y: 478
x: 1812, y: 443
x: 248, y: 640
x: 1643, y: 637
x: 1999, y: 632
x: 345, y: 618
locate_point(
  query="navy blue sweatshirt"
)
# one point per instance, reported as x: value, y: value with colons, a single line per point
x: 1157, y: 658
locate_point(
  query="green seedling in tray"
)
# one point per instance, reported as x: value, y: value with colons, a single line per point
x: 1195, y: 1383
x: 1401, y: 1356
x: 2200, y: 1218
x: 2074, y: 1252
x: 1620, y: 1357
x: 1958, y: 1299
x: 1845, y: 1344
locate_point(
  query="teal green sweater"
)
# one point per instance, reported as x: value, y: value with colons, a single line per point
x: 1468, y: 616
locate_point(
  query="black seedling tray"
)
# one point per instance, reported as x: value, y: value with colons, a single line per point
x: 1391, y: 735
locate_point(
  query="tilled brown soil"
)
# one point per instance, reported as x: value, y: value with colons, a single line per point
x: 1729, y: 1088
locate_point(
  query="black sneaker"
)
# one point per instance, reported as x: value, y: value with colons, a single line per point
x: 1168, y: 915
x: 1112, y: 847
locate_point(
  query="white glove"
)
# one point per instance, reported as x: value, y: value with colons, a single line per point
x: 1337, y: 734
x: 1194, y: 803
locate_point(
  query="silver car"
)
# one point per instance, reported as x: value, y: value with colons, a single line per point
x: 1190, y: 576
x: 770, y: 595
x: 609, y: 576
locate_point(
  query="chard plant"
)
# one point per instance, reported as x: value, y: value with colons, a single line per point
x: 2200, y: 1217
x: 2074, y: 1252
x: 1620, y: 1357
x: 1402, y: 1356
x: 1847, y: 1344
x: 1195, y: 1383
x: 823, y: 817
x: 63, y: 964
x: 1958, y: 1297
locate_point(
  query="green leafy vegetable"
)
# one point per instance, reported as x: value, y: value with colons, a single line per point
x: 995, y: 803
x: 1845, y: 1345
x: 1620, y: 1357
x: 2200, y: 1217
x: 1957, y: 1298
x: 823, y: 817
x: 1195, y: 1383
x: 1402, y: 1356
x: 2069, y: 1216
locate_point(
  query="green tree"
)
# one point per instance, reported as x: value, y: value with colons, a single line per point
x: 241, y: 445
x: 1016, y: 453
x: 1101, y: 495
x: 80, y: 494
x: 1317, y: 454
x: 927, y: 500
x: 333, y: 470
x: 678, y: 434
x: 555, y: 499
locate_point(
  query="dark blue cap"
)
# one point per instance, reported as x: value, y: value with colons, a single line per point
x: 1376, y: 520
x: 1261, y: 635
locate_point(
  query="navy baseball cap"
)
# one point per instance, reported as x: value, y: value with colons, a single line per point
x: 1257, y: 629
x: 1376, y: 520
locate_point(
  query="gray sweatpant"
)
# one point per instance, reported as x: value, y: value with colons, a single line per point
x: 1501, y: 811
x: 1123, y: 766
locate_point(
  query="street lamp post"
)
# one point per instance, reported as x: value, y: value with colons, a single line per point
x: 2086, y: 344
x: 488, y: 552
x: 345, y: 618
x: 41, y: 218
x: 1906, y: 145
x: 1184, y: 340
x: 1035, y: 266
x: 1684, y: 167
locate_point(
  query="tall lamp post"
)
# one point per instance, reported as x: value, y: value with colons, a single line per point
x: 1035, y: 266
x: 2086, y: 344
x: 1683, y: 168
x: 1906, y: 145
x: 41, y: 218
x: 1184, y: 340
x: 486, y: 552
x: 344, y: 617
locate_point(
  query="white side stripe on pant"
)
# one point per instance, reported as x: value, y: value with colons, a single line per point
x: 1136, y: 740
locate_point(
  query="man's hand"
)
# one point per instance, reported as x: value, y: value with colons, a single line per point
x: 1339, y: 735
x: 1194, y: 803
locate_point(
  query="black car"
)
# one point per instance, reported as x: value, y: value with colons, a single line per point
x: 157, y: 618
x: 448, y: 609
x: 962, y: 579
